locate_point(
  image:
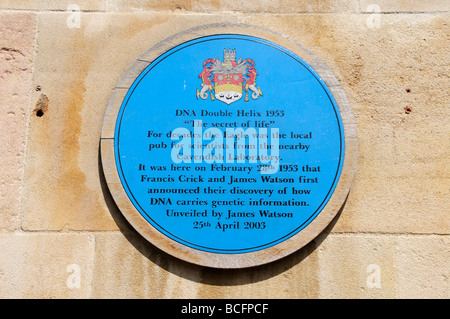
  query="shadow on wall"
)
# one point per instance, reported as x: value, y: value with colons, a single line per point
x: 206, y: 275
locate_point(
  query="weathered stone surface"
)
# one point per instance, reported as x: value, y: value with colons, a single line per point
x: 357, y: 266
x: 422, y: 267
x: 53, y: 265
x: 405, y: 6
x: 333, y: 266
x: 374, y: 266
x: 146, y: 272
x: 272, y: 6
x: 52, y: 5
x: 180, y: 6
x: 17, y: 38
x: 143, y: 272
x: 291, y: 6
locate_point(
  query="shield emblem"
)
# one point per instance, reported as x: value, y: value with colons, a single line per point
x: 228, y: 87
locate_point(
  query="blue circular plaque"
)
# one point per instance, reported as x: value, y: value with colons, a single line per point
x: 228, y: 144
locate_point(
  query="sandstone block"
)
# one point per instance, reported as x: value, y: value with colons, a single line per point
x: 406, y: 6
x: 45, y: 265
x: 17, y: 44
x: 383, y: 266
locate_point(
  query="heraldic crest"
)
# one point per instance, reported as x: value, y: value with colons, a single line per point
x: 228, y: 79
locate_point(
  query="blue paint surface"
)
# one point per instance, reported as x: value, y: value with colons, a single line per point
x: 294, y: 101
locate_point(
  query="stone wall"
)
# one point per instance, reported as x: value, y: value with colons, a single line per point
x: 61, y: 235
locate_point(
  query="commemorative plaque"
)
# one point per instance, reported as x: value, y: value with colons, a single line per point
x: 229, y: 146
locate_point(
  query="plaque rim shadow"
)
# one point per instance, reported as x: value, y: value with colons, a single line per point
x: 219, y: 260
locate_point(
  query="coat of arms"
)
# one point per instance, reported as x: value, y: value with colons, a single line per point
x: 228, y: 79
